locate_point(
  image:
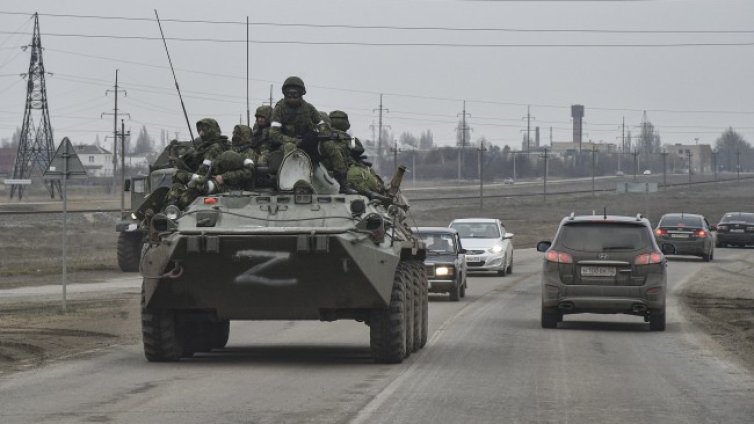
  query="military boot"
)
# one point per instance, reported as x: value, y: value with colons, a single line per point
x: 343, y: 182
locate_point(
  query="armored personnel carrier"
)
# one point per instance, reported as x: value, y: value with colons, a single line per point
x: 298, y: 250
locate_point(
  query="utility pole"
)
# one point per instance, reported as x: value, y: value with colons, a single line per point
x: 464, y: 130
x: 622, y: 144
x: 379, y: 124
x: 123, y: 167
x: 664, y: 170
x: 528, y: 118
x: 714, y: 163
x: 544, y: 188
x: 594, y: 151
x: 116, y: 89
x: 481, y: 175
x: 270, y: 95
x: 395, y: 155
x: 689, y: 155
x: 738, y: 166
x: 636, y: 163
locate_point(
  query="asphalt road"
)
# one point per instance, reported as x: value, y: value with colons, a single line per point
x: 488, y: 360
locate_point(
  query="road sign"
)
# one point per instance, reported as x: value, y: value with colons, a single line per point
x: 17, y: 181
x: 65, y: 162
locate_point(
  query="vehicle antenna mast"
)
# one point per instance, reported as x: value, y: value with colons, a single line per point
x: 183, y: 106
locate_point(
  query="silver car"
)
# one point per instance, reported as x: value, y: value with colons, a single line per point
x: 488, y: 246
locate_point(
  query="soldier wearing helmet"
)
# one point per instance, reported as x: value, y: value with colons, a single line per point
x: 360, y: 174
x: 260, y: 137
x: 297, y: 124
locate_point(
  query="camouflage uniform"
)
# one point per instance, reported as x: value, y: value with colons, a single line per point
x: 334, y: 157
x: 360, y: 174
x: 260, y: 137
x: 299, y: 125
x: 208, y: 147
x: 232, y: 165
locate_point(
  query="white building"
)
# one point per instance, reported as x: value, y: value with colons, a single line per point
x: 97, y: 161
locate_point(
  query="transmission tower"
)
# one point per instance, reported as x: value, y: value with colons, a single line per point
x: 35, y: 148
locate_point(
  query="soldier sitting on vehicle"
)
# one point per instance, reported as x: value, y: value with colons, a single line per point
x: 298, y: 124
x: 260, y: 138
x: 194, y: 166
x: 360, y: 174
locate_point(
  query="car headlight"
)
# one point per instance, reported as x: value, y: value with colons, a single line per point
x: 443, y: 271
x: 496, y: 249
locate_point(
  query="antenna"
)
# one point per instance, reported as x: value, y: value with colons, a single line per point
x: 191, y: 133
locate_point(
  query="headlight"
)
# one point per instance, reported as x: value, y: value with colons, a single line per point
x: 172, y: 212
x: 443, y: 271
x: 496, y: 249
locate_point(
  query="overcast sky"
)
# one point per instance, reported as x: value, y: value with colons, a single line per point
x: 689, y: 91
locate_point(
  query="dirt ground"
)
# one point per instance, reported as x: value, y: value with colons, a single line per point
x: 720, y: 299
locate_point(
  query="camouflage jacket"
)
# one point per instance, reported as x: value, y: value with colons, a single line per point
x: 290, y: 124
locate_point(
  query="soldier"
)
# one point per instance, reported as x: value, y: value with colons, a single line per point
x: 195, y: 165
x: 260, y: 138
x: 297, y: 124
x: 234, y: 168
x: 361, y: 176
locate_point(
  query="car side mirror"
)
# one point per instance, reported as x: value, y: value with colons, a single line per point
x: 127, y: 185
x: 461, y: 251
x: 667, y: 249
x: 542, y: 246
x: 508, y: 236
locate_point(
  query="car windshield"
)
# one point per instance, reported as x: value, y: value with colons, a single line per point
x: 478, y: 230
x: 680, y: 221
x: 439, y: 243
x: 738, y: 217
x: 600, y: 237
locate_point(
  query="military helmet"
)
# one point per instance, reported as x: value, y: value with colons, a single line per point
x: 264, y: 111
x: 294, y: 82
x: 340, y: 120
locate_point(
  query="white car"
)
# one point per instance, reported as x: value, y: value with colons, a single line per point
x: 488, y: 246
x: 647, y: 172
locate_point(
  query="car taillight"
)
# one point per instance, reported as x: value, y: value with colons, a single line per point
x: 661, y: 231
x: 558, y: 257
x: 648, y: 258
x: 700, y: 233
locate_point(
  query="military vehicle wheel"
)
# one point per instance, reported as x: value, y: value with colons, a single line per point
x: 159, y: 334
x: 551, y: 318
x: 408, y: 282
x: 129, y: 251
x: 657, y: 321
x: 424, y: 302
x: 387, y: 327
x: 418, y: 302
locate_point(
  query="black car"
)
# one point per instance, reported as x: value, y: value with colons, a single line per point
x: 445, y: 261
x: 604, y: 264
x: 689, y: 233
x: 735, y: 229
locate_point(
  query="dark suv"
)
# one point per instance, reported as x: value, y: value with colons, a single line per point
x: 604, y: 264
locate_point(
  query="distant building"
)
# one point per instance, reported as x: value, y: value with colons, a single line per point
x: 97, y: 161
x: 565, y: 148
x: 678, y: 158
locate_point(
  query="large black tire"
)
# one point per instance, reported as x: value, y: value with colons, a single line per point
x: 455, y: 292
x: 423, y: 286
x: 657, y: 321
x: 463, y: 287
x: 418, y: 301
x: 129, y: 251
x: 551, y: 317
x: 410, y: 309
x: 510, y: 266
x: 502, y: 272
x: 159, y: 334
x: 387, y: 326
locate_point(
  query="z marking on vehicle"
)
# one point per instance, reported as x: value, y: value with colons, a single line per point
x: 253, y: 274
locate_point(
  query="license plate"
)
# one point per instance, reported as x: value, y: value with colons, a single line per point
x: 736, y: 231
x: 473, y: 259
x: 598, y: 271
x: 679, y: 236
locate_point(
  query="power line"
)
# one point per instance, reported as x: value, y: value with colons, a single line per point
x: 394, y: 27
x: 383, y: 44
